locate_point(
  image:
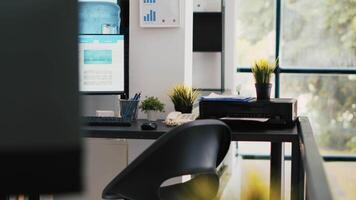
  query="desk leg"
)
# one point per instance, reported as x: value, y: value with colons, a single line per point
x: 298, y: 173
x: 277, y: 171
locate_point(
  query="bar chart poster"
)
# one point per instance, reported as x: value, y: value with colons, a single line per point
x: 160, y: 13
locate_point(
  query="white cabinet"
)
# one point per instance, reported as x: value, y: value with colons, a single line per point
x: 103, y: 160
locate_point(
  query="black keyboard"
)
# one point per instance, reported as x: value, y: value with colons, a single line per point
x: 105, y: 121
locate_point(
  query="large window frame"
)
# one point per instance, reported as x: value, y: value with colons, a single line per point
x: 297, y: 70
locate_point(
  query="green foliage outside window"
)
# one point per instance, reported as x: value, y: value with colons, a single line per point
x: 314, y: 34
x: 341, y: 20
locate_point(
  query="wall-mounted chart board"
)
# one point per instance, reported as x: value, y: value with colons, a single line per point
x: 160, y: 13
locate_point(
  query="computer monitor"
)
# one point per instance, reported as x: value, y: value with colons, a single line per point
x: 101, y: 64
x: 40, y: 140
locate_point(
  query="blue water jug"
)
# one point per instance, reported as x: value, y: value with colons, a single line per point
x: 99, y: 18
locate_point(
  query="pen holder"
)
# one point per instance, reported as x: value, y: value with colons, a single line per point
x: 128, y: 109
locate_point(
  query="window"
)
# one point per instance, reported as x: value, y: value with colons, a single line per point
x: 330, y: 103
x: 315, y: 42
x: 318, y: 34
x: 255, y: 30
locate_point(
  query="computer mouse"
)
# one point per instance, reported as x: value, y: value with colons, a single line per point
x: 149, y: 126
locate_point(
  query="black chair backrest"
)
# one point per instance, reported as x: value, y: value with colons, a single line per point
x: 192, y: 148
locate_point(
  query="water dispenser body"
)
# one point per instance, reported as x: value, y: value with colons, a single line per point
x: 99, y: 18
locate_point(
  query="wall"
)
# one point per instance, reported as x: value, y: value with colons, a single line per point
x: 230, y: 44
x: 103, y: 160
x: 161, y: 57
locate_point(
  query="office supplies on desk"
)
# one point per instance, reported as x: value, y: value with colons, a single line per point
x: 129, y: 108
x: 149, y: 126
x: 177, y: 118
x: 105, y: 113
x: 230, y: 98
x: 105, y: 121
x: 259, y: 114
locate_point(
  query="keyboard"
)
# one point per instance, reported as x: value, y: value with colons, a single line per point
x: 105, y: 121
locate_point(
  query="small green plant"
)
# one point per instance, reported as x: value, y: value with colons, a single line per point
x: 262, y: 70
x: 183, y: 96
x: 152, y: 103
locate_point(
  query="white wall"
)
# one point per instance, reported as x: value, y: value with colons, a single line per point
x: 230, y: 44
x: 103, y: 160
x: 160, y: 57
x: 207, y: 70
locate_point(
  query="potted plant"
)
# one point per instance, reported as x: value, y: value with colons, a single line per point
x: 183, y: 98
x: 150, y: 106
x: 262, y: 70
x: 254, y: 187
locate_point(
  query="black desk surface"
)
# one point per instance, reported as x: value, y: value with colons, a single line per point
x: 135, y: 132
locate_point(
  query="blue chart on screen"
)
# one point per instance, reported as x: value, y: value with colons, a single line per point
x: 150, y: 17
x: 97, y: 56
x: 100, y: 38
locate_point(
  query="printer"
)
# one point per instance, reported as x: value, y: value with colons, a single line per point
x: 250, y: 113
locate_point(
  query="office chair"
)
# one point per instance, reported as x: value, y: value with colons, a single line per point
x: 194, y: 148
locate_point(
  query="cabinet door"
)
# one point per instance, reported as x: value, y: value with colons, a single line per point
x: 104, y: 159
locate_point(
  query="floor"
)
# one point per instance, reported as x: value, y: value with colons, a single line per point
x: 248, y: 180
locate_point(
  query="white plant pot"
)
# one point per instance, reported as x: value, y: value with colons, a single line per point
x: 151, y: 115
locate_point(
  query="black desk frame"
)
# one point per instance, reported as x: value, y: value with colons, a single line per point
x: 275, y: 137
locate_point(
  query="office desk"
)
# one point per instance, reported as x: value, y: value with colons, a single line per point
x: 276, y: 137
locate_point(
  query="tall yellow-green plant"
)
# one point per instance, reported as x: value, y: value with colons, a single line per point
x: 183, y: 95
x: 255, y: 188
x: 262, y: 70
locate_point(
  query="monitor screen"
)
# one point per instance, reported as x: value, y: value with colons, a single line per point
x: 101, y: 63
